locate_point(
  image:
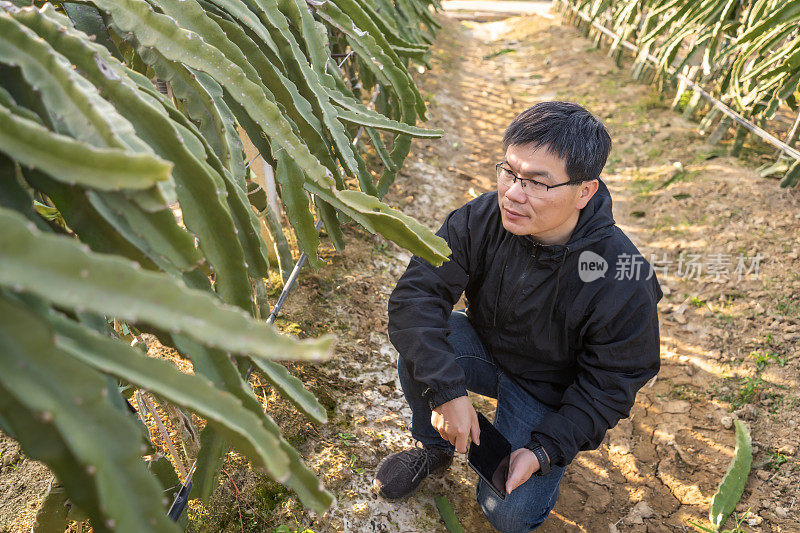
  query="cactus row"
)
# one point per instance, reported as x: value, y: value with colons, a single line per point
x: 745, y: 54
x: 120, y: 120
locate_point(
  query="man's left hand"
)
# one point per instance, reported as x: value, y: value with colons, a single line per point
x: 522, y: 465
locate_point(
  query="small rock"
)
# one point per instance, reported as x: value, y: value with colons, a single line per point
x: 644, y: 510
x: 726, y: 421
x: 787, y: 449
x: 747, y: 412
x: 10, y: 457
x: 754, y: 521
x: 639, y: 512
x: 780, y: 512
x: 384, y: 390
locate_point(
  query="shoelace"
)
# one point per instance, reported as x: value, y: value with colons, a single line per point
x: 416, y: 460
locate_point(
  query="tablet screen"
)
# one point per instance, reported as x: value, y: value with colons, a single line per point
x: 490, y: 459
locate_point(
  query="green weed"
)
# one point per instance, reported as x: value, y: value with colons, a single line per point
x: 652, y: 101
x: 498, y: 53
x: 775, y: 461
x: 683, y: 101
x: 765, y: 357
x: 736, y: 528
x: 746, y: 392
x: 749, y: 389
x: 643, y: 186
x: 347, y: 438
x: 352, y: 465
x: 270, y: 495
x: 788, y: 305
x: 777, y: 402
x: 684, y: 392
x: 725, y: 318
x: 697, y: 302
x: 655, y: 152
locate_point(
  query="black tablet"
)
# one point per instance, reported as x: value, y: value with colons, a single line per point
x: 490, y: 459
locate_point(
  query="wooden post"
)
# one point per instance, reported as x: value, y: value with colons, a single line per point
x: 690, y: 73
x: 719, y: 132
x: 738, y: 140
x: 705, y: 124
x: 794, y: 133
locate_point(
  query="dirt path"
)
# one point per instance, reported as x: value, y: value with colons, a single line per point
x: 730, y: 345
x: 726, y: 345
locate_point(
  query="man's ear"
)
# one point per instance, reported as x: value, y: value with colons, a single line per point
x: 588, y: 188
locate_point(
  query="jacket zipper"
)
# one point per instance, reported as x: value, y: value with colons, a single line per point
x: 517, y: 285
x: 500, y: 286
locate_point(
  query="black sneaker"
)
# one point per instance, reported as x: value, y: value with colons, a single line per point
x: 399, y: 474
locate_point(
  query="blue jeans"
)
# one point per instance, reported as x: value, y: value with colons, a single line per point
x: 518, y: 413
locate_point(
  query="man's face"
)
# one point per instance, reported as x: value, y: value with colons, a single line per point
x: 551, y: 218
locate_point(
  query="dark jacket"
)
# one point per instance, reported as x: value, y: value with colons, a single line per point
x: 581, y: 347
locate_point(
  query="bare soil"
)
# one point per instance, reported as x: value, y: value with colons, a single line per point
x: 729, y: 345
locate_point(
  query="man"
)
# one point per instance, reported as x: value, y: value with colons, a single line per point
x: 552, y: 331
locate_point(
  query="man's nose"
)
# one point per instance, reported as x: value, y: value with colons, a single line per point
x: 516, y: 194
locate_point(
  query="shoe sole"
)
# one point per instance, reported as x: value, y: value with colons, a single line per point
x: 434, y: 473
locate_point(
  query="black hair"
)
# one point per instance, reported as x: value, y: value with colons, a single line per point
x: 569, y: 131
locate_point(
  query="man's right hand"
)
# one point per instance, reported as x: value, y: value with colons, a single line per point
x: 457, y: 423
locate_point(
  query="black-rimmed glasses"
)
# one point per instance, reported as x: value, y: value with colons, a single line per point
x: 533, y: 188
